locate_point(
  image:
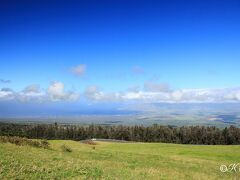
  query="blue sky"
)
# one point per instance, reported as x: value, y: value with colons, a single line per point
x: 122, y: 45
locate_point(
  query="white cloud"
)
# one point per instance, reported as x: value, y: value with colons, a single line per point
x: 79, y: 70
x: 33, y: 93
x: 31, y: 96
x: 174, y: 96
x: 32, y: 88
x: 235, y: 95
x: 93, y: 93
x: 152, y: 86
x: 56, y: 92
x: 6, y: 94
x: 56, y: 89
x: 134, y: 96
x: 177, y: 95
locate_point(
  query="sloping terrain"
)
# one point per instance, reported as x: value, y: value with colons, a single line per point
x: 108, y: 160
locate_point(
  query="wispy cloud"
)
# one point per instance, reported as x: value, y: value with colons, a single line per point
x: 137, y: 70
x: 79, y: 70
x: 135, y: 88
x: 5, y: 81
x: 93, y: 93
x: 152, y: 86
x: 32, y: 88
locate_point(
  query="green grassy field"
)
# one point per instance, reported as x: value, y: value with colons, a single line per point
x: 117, y: 161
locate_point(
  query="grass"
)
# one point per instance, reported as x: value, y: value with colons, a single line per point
x: 117, y: 161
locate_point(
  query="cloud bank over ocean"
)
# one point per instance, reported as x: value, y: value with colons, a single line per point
x: 151, y: 93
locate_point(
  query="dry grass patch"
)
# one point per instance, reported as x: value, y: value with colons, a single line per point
x: 21, y: 141
x: 89, y: 141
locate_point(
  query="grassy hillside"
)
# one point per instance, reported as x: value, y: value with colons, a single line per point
x: 117, y: 161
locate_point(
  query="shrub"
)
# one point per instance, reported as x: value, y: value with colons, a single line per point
x: 66, y: 148
x: 45, y: 144
x: 34, y: 143
x: 21, y: 141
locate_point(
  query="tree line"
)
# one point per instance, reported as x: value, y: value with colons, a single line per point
x: 155, y: 133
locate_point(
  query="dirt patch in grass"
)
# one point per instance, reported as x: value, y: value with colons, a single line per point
x: 89, y: 141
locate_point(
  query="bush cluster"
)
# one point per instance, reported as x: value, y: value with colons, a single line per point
x: 22, y: 141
